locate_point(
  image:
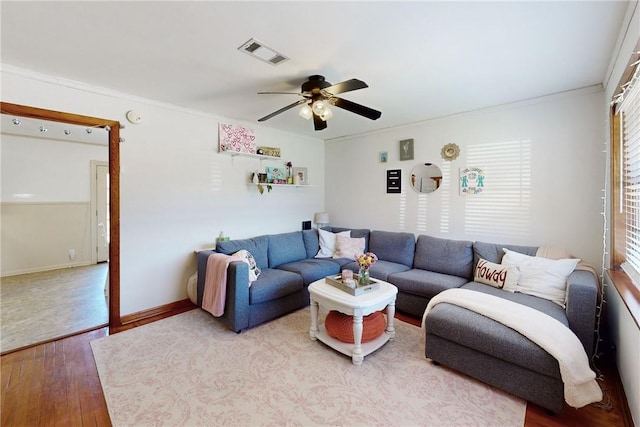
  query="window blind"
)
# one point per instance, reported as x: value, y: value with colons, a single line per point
x: 630, y: 110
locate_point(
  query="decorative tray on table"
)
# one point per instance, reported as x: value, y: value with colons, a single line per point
x: 336, y: 281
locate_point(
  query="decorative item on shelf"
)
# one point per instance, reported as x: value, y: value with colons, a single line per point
x: 450, y: 152
x: 406, y: 149
x: 276, y: 175
x: 259, y: 179
x: 300, y: 176
x: 237, y: 138
x: 321, y: 219
x: 269, y: 151
x: 222, y: 237
x: 289, y: 173
x: 365, y: 261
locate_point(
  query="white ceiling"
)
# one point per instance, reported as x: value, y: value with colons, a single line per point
x: 420, y: 59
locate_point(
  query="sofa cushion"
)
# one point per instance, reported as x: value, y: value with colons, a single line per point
x: 472, y: 330
x: 273, y: 284
x: 312, y: 269
x: 542, y: 277
x: 540, y: 304
x: 254, y: 270
x: 493, y: 252
x: 311, y: 242
x: 383, y: 269
x: 257, y: 246
x: 356, y: 232
x: 497, y: 275
x: 286, y: 247
x: 425, y: 283
x: 328, y: 242
x: 490, y: 337
x: 446, y: 256
x: 348, y: 247
x: 392, y: 246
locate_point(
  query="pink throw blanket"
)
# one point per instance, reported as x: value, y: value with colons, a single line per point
x: 215, y: 283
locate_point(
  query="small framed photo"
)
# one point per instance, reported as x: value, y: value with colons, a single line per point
x: 406, y: 149
x: 384, y: 156
x: 300, y: 176
x: 276, y: 175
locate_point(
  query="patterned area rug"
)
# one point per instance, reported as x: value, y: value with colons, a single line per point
x: 188, y: 370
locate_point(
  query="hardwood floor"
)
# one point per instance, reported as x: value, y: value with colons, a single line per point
x: 57, y: 384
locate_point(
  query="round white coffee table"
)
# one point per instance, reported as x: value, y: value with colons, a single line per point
x: 332, y: 298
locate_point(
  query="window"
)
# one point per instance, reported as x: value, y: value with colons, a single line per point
x: 629, y: 127
x: 625, y: 168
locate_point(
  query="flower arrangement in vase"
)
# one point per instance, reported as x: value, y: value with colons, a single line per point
x: 365, y: 261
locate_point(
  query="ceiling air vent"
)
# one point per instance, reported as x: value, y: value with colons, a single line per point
x: 264, y: 53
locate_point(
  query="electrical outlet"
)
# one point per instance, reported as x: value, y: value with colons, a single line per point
x: 72, y: 254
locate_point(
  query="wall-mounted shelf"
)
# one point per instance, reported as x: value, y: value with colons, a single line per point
x: 282, y: 185
x: 252, y: 156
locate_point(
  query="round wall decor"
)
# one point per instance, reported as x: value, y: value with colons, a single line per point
x: 450, y: 151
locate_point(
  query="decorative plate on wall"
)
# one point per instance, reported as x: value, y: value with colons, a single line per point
x: 450, y: 151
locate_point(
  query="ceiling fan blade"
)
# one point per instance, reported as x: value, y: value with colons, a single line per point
x: 318, y: 123
x: 282, y: 110
x: 367, y: 112
x: 345, y: 86
x: 279, y: 93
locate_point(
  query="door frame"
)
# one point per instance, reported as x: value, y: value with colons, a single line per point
x: 94, y: 208
x: 115, y: 321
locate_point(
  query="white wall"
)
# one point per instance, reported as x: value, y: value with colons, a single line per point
x: 45, y: 201
x: 625, y: 332
x: 177, y: 192
x: 561, y: 205
x: 38, y: 169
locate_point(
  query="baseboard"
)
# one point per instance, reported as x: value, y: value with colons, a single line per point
x: 44, y: 268
x: 156, y: 313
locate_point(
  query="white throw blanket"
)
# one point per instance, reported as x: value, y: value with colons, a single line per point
x: 580, y: 386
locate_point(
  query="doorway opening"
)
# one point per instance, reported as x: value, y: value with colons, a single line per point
x: 110, y: 221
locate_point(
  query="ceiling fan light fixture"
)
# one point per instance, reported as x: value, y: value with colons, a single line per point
x: 306, y: 112
x: 319, y: 107
x: 326, y: 114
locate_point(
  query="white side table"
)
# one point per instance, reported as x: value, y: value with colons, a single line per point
x: 332, y: 298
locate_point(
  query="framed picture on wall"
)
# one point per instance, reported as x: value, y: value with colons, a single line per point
x: 384, y: 156
x: 406, y: 149
x: 300, y: 176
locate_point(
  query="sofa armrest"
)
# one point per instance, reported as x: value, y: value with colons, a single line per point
x: 582, y: 300
x: 236, y: 307
x: 202, y: 257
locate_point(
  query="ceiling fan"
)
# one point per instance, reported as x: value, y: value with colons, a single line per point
x: 318, y: 94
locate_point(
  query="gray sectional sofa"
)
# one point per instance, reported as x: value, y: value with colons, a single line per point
x: 420, y: 269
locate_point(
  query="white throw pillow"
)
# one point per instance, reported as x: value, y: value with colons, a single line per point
x: 542, y: 277
x: 496, y: 275
x: 328, y: 242
x: 348, y: 247
x: 254, y: 270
